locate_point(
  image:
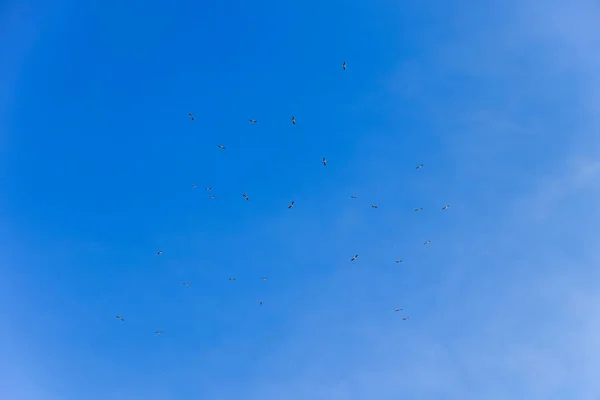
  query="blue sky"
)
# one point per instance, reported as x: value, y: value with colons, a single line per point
x: 98, y: 157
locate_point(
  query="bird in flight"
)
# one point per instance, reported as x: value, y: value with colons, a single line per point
x: 120, y: 318
x: 427, y: 242
x: 324, y: 161
x: 221, y: 147
x: 398, y: 310
x: 373, y: 206
x: 418, y: 209
x: 211, y: 196
x: 445, y: 207
x: 208, y: 188
x: 191, y: 116
x: 245, y: 196
x: 158, y: 332
x: 264, y: 278
x: 293, y: 120
x: 344, y: 65
x: 232, y: 279
x: 405, y: 318
x: 419, y: 166
x: 252, y: 121
x: 159, y: 252
x: 291, y: 205
x: 194, y: 185
x: 352, y: 197
x: 354, y: 258
x: 398, y: 261
x: 186, y: 283
x: 260, y: 304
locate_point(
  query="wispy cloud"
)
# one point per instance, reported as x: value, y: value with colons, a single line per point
x: 536, y: 338
x: 578, y: 176
x: 527, y: 328
x: 511, y: 293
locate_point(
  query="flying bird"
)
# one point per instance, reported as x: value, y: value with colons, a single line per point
x: 232, y: 279
x: 373, y: 206
x: 158, y: 332
x: 208, y: 188
x: 120, y: 318
x: 445, y: 207
x: 186, y: 283
x: 194, y: 185
x: 245, y: 196
x: 159, y: 252
x: 260, y: 304
x: 419, y: 166
x: 352, y: 197
x: 398, y: 309
x: 427, y: 242
x: 293, y: 121
x: 405, y: 318
x: 354, y: 258
x: 398, y: 261
x: 191, y: 116
x: 291, y: 205
x: 264, y: 278
x: 211, y: 196
x: 253, y: 121
x: 344, y: 65
x: 324, y: 161
x: 221, y: 147
x: 418, y: 209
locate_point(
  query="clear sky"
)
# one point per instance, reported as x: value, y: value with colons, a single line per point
x: 498, y: 100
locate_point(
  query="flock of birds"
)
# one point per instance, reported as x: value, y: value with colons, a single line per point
x: 291, y: 205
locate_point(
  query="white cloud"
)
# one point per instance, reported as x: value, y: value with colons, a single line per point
x: 527, y: 328
x: 579, y: 176
x: 537, y: 340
